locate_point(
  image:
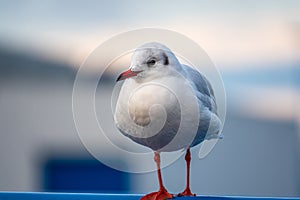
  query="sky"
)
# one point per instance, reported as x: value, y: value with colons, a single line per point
x: 232, y: 32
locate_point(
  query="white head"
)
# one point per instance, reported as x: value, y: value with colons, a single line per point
x: 150, y: 61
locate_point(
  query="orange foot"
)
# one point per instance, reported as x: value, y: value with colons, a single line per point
x: 159, y: 195
x: 186, y: 192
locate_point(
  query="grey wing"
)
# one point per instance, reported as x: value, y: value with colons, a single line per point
x: 204, y: 89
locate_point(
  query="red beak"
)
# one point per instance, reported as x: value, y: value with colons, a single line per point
x: 127, y: 74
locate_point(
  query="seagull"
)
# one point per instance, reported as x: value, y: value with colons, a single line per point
x: 166, y: 106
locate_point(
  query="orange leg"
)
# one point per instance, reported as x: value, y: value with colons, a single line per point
x: 162, y: 193
x: 187, y: 191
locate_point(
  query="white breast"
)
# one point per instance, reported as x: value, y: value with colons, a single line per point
x: 142, y: 109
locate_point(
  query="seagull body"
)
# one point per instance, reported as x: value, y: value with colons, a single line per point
x: 165, y: 105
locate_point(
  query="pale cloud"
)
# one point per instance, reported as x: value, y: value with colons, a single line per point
x: 231, y: 33
x: 228, y: 46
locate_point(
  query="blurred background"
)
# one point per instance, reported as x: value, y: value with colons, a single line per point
x: 255, y: 45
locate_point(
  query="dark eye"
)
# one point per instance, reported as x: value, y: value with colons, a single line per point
x: 151, y: 62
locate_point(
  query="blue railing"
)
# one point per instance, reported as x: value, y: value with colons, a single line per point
x: 90, y: 196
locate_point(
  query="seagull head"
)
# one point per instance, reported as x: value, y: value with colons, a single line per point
x: 150, y: 61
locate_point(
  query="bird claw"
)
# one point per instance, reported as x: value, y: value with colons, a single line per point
x: 159, y: 195
x: 186, y: 192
